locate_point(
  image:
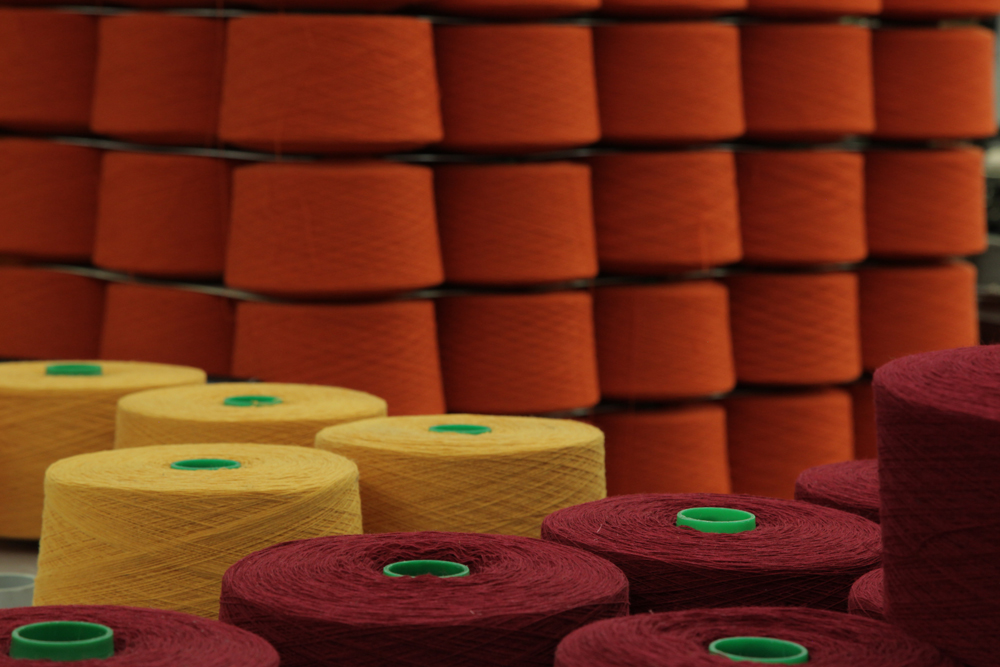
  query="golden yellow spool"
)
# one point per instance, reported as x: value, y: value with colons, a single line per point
x: 469, y: 473
x: 124, y: 527
x: 265, y: 412
x: 53, y: 409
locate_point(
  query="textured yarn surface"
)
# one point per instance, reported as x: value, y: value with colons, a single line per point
x: 44, y: 418
x: 669, y: 8
x: 799, y: 554
x: 795, y: 328
x: 122, y: 527
x: 774, y: 437
x: 938, y: 424
x: 669, y: 82
x: 147, y: 638
x: 333, y: 229
x: 867, y: 596
x: 508, y: 9
x: 387, y: 349
x: 668, y: 450
x: 169, y: 326
x: 181, y: 415
x: 681, y: 639
x: 851, y: 486
x: 814, y: 8
x: 661, y: 342
x: 326, y: 602
x: 519, y: 353
x: 504, y: 481
x: 865, y: 439
x: 935, y: 9
x: 515, y: 224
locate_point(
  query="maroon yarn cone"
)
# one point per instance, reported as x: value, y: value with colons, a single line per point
x: 851, y: 486
x: 799, y: 554
x: 326, y: 601
x: 867, y: 596
x: 938, y: 418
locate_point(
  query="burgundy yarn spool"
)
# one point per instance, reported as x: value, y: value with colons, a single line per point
x: 46, y: 69
x: 802, y: 207
x: 159, y: 78
x: 508, y: 9
x: 814, y: 8
x: 669, y: 8
x: 799, y: 555
x: 168, y: 326
x: 146, y: 638
x: 652, y: 91
x: 515, y: 224
x: 863, y: 402
x: 868, y: 596
x: 938, y: 417
x: 321, y: 230
x: 326, y: 601
x: 666, y: 212
x: 162, y: 215
x: 48, y: 195
x: 516, y: 88
x: 681, y: 639
x: 851, y: 486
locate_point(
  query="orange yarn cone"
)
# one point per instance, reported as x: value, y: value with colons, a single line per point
x: 516, y: 88
x: 668, y: 82
x: 940, y: 9
x: 865, y: 440
x: 49, y: 314
x: 329, y: 84
x: 814, y: 8
x: 666, y: 212
x: 162, y: 215
x: 515, y: 224
x: 159, y: 78
x: 795, y: 328
x: 168, y: 326
x: 808, y: 82
x: 934, y: 84
x: 908, y: 310
x: 365, y: 6
x: 926, y: 203
x: 673, y: 450
x: 333, y: 229
x: 46, y: 69
x: 802, y: 207
x: 388, y: 349
x: 518, y: 354
x: 682, y: 8
x: 509, y: 9
x: 662, y: 342
x: 774, y: 437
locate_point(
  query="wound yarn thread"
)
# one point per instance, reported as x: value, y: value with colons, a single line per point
x: 671, y: 8
x: 509, y: 9
x: 863, y: 402
x: 814, y: 8
x: 939, y: 9
x: 867, y: 596
x: 851, y: 486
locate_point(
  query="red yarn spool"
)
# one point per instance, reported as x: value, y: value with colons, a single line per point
x: 666, y: 212
x: 851, y: 486
x: 807, y: 82
x: 907, y: 310
x: 49, y: 314
x: 329, y: 84
x: 388, y: 349
x: 934, y: 84
x: 663, y: 342
x: 516, y: 88
x: 333, y: 229
x: 940, y: 9
x: 46, y: 69
x: 865, y: 443
x: 509, y: 9
x: 515, y: 224
x: 938, y: 428
x: 681, y: 639
x: 669, y: 82
x: 671, y: 450
x: 162, y: 215
x: 518, y: 353
x: 867, y: 596
x: 799, y: 555
x: 666, y: 8
x: 159, y: 78
x: 168, y: 326
x: 147, y: 638
x: 48, y: 195
x: 814, y: 8
x: 795, y: 328
x: 322, y: 601
x: 926, y: 203
x: 802, y: 207
x: 774, y: 437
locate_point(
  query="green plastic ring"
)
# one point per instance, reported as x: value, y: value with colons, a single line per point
x: 760, y: 649
x: 205, y: 464
x: 444, y: 569
x: 465, y: 429
x: 62, y: 641
x: 716, y: 520
x: 251, y: 401
x: 74, y: 369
